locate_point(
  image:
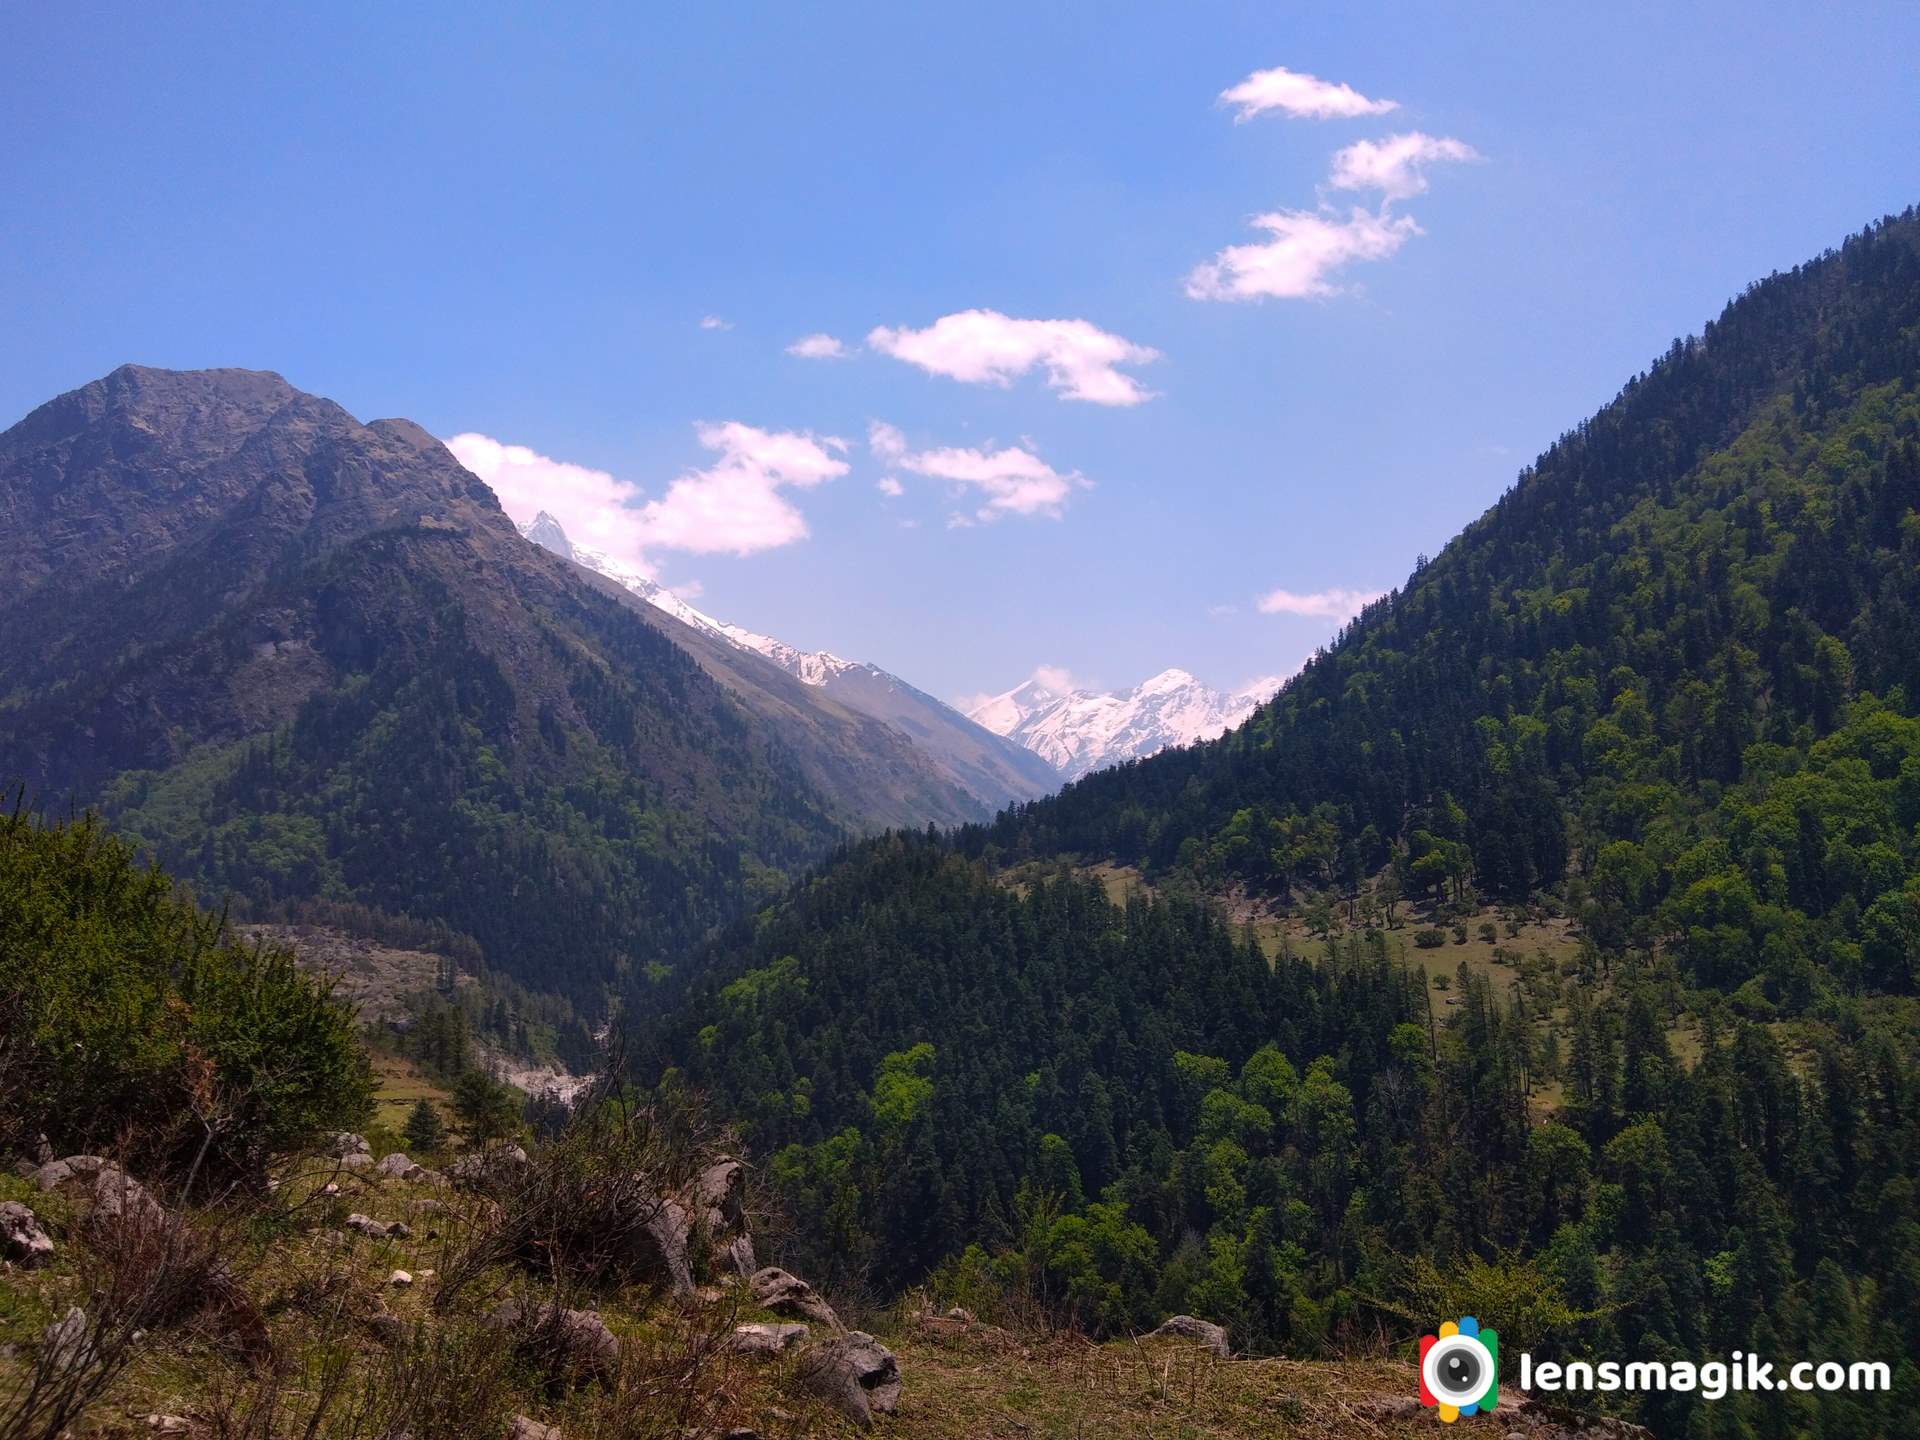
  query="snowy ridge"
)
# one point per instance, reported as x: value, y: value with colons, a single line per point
x: 1077, y: 731
x: 810, y: 667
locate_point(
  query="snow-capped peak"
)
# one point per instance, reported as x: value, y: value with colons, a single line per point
x: 810, y: 667
x: 1076, y: 731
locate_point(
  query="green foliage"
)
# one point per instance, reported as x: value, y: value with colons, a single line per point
x: 484, y: 1109
x: 424, y: 1131
x: 135, y: 1017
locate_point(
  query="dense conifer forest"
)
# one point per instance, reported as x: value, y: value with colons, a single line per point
x: 1664, y: 691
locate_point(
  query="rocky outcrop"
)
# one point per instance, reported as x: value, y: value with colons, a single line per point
x: 117, y: 1197
x: 399, y: 1166
x: 378, y: 1229
x: 717, y: 1203
x: 568, y: 1340
x: 855, y: 1374
x: 774, y: 1289
x: 766, y: 1339
x: 22, y: 1240
x: 660, y: 1248
x: 1204, y: 1333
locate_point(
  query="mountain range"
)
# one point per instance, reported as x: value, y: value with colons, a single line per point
x: 994, y: 771
x: 305, y: 658
x: 1078, y: 730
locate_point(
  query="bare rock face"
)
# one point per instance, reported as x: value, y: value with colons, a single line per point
x: 661, y: 1248
x: 117, y: 1197
x: 1203, y: 1333
x: 854, y: 1373
x: 774, y: 1289
x: 717, y: 1203
x: 764, y: 1339
x: 22, y: 1240
x: 577, y: 1340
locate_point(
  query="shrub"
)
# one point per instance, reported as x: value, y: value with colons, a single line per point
x: 1429, y: 939
x: 136, y: 1022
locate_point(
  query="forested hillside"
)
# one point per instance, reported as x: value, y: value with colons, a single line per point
x: 1665, y: 690
x: 311, y: 663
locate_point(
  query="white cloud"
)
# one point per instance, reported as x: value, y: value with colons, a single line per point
x: 885, y: 440
x: 1056, y: 678
x: 1333, y: 604
x: 890, y: 487
x: 592, y: 506
x: 984, y: 347
x: 1302, y: 96
x: 818, y: 346
x: 734, y: 506
x: 1013, y: 479
x: 714, y: 322
x: 1306, y: 251
x: 1397, y: 165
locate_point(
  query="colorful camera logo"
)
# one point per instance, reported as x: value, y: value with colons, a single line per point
x: 1460, y: 1369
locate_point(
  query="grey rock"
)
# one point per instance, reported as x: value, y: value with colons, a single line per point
x: 1203, y: 1333
x: 717, y: 1203
x: 65, y: 1345
x: 765, y: 1339
x: 22, y: 1240
x: 169, y: 1424
x: 854, y: 1373
x: 398, y: 1166
x: 378, y: 1229
x: 521, y: 1428
x: 118, y: 1198
x: 57, y: 1174
x: 579, y: 1339
x: 774, y: 1289
x: 358, y: 1160
x: 660, y: 1250
x: 347, y: 1143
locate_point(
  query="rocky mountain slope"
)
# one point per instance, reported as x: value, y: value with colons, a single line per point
x: 995, y: 771
x: 1077, y: 731
x: 305, y: 657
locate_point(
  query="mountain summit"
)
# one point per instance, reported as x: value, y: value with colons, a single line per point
x: 1077, y: 731
x: 994, y: 770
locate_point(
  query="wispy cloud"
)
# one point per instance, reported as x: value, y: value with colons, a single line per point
x: 1333, y: 604
x: 735, y: 506
x: 819, y: 346
x: 1397, y: 165
x: 984, y: 347
x: 1301, y: 96
x: 1011, y: 480
x: 714, y: 322
x: 1305, y: 251
x: 889, y: 487
x: 594, y: 508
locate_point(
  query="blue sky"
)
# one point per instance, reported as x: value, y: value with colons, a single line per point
x: 511, y: 223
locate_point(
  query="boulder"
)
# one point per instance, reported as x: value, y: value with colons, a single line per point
x: 22, y: 1240
x: 58, y: 1174
x: 378, y: 1229
x: 766, y: 1339
x: 717, y: 1202
x: 358, y: 1160
x: 65, y: 1344
x: 400, y: 1278
x: 577, y: 1339
x: 855, y: 1374
x: 347, y: 1143
x: 660, y: 1249
x: 774, y: 1289
x: 169, y: 1425
x: 521, y: 1428
x: 1204, y: 1333
x: 118, y: 1198
x: 397, y: 1166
